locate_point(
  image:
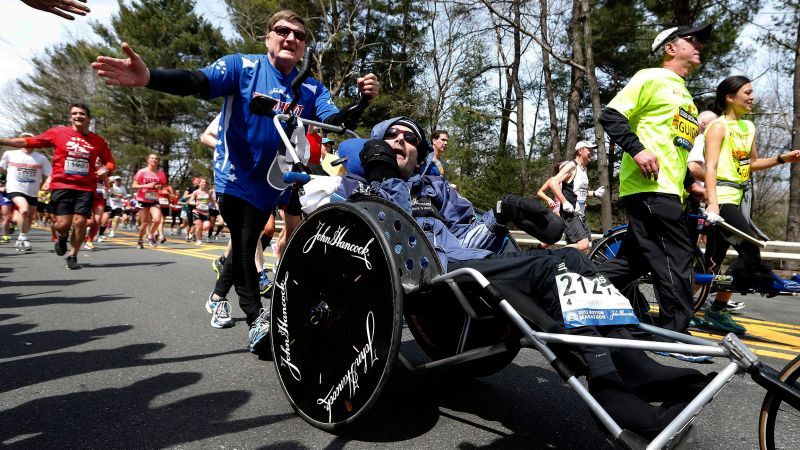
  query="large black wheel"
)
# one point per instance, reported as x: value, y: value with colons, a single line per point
x: 779, y: 423
x: 336, y: 316
x: 641, y: 293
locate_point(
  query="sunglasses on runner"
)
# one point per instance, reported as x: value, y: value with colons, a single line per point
x: 284, y: 33
x: 408, y: 136
x: 690, y: 39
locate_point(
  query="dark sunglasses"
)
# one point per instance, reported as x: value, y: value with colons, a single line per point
x: 694, y: 40
x: 408, y: 136
x: 284, y: 33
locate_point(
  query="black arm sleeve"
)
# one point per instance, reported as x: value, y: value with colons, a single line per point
x: 620, y: 132
x: 179, y: 82
x: 688, y: 180
x: 348, y: 116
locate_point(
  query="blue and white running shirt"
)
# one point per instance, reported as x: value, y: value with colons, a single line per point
x: 247, y: 144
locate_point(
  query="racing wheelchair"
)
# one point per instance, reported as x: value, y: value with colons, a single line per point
x: 335, y: 333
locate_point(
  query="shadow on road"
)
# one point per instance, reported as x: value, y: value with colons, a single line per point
x: 16, y: 343
x: 22, y: 301
x: 129, y: 264
x: 499, y: 405
x: 124, y: 416
x: 51, y: 282
x: 40, y: 369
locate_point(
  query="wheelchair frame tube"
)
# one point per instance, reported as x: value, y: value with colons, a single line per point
x: 694, y: 407
x: 686, y: 338
x: 692, y: 349
x: 278, y: 118
x: 607, y: 421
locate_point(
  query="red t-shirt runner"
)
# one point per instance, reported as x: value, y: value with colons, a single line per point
x: 146, y: 176
x: 74, y: 157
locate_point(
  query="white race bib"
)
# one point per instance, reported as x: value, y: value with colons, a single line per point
x: 163, y: 201
x: 592, y: 301
x: 76, y: 166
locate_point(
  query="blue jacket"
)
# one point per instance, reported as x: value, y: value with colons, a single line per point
x: 456, y: 233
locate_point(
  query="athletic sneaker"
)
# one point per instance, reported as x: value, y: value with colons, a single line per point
x: 734, y: 306
x: 264, y: 283
x: 88, y: 245
x: 685, y: 357
x: 72, y: 263
x: 217, y: 265
x: 101, y: 238
x: 112, y: 235
x: 140, y: 244
x: 26, y: 246
x: 221, y: 317
x: 722, y: 320
x: 5, y: 239
x: 151, y: 241
x: 163, y: 239
x: 18, y: 245
x: 61, y: 246
x: 258, y: 331
x: 211, y: 303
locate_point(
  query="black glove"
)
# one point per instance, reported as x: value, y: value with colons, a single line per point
x: 379, y: 161
x: 531, y: 217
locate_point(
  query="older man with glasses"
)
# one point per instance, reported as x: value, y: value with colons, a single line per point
x: 248, y: 143
x: 654, y: 119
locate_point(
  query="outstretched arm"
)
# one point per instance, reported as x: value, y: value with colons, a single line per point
x: 60, y: 7
x: 13, y: 142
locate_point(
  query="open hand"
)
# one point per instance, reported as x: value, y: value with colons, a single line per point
x: 131, y: 72
x: 60, y: 7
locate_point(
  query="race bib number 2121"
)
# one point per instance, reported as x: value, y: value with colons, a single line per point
x: 592, y: 301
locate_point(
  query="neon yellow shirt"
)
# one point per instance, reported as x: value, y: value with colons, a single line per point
x: 734, y: 158
x: 661, y: 112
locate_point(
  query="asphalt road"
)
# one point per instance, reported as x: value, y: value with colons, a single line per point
x: 120, y: 354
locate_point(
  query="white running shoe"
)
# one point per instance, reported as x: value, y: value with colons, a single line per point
x: 221, y: 317
x: 211, y: 304
x: 18, y: 245
x: 734, y: 305
x: 26, y: 246
x: 258, y: 331
x: 112, y: 235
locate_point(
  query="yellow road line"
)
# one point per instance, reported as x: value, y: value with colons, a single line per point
x: 775, y: 354
x: 192, y: 252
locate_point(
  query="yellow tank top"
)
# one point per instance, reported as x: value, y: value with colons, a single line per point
x: 734, y: 158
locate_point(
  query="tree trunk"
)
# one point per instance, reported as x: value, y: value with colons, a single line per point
x: 558, y: 153
x: 793, y: 221
x: 594, y: 93
x: 519, y: 96
x: 577, y: 78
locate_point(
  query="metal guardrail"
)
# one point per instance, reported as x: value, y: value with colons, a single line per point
x: 774, y: 251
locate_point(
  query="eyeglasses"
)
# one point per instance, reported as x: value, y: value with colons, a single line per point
x: 285, y: 31
x: 408, y: 136
x: 690, y: 39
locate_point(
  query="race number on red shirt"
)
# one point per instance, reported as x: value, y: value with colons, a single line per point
x: 74, y: 157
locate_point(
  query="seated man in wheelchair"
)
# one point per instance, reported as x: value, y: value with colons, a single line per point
x: 623, y: 381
